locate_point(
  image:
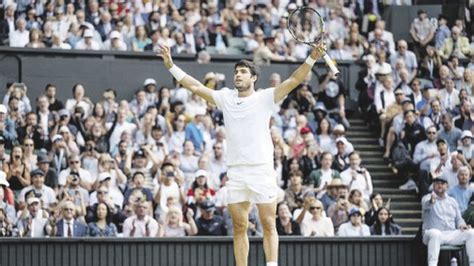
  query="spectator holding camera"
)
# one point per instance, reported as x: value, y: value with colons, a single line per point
x: 339, y: 210
x: 169, y: 186
x: 314, y: 224
x: 356, y: 177
x: 376, y: 202
x: 73, y: 192
x: 74, y: 162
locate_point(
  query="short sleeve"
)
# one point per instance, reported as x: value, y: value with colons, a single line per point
x: 268, y: 97
x: 218, y: 96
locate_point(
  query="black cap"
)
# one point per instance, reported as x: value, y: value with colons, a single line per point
x: 408, y: 111
x: 441, y: 141
x: 43, y: 158
x: 207, y: 205
x: 37, y: 172
x: 139, y: 153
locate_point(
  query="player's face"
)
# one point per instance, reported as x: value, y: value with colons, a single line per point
x: 243, y: 78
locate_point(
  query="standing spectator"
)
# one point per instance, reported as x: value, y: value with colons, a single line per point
x: 102, y: 224
x: 356, y: 177
x: 384, y: 224
x: 408, y: 57
x: 382, y: 101
x: 285, y: 224
x: 442, y: 222
x: 20, y: 37
x: 141, y: 224
x: 442, y: 32
x: 354, y: 227
x: 422, y: 32
x: 210, y: 224
x: 68, y: 226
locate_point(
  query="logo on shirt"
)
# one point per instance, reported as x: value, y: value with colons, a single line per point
x: 239, y: 103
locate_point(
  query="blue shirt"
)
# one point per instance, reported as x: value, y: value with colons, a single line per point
x: 461, y: 195
x: 193, y: 134
x: 443, y: 214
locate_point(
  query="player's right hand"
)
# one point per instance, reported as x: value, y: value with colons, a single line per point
x: 165, y: 53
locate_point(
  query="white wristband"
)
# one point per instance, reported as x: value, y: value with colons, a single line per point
x: 177, y: 72
x: 310, y: 61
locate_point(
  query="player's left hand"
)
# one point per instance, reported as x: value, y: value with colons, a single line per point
x: 165, y: 53
x: 318, y: 50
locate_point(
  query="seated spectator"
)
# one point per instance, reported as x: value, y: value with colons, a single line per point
x: 450, y: 172
x: 69, y: 226
x: 413, y: 133
x: 170, y: 186
x: 426, y: 149
x: 210, y: 224
x: 5, y: 203
x: 462, y: 192
x: 48, y: 196
x: 296, y: 191
x: 442, y: 222
x: 330, y: 197
x: 174, y: 225
x: 18, y: 173
x: 354, y: 227
x: 102, y: 224
x: 384, y: 224
x: 333, y: 96
x: 341, y: 158
x: 431, y: 63
x: 21, y: 36
x: 358, y: 178
x: 464, y: 120
x: 200, y: 183
x: 118, y: 217
x: 86, y: 180
x: 285, y: 224
x: 338, y: 212
x: 449, y: 96
x: 466, y: 147
x: 434, y: 116
x: 339, y: 131
x: 356, y: 201
x: 6, y: 226
x: 319, y: 179
x: 314, y: 224
x: 115, y: 42
x: 33, y: 221
x: 407, y: 56
x: 456, y: 45
x: 87, y: 42
x: 339, y: 52
x: 141, y: 224
x: 136, y: 190
x: 324, y: 137
x: 376, y: 202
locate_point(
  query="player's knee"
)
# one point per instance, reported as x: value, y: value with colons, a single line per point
x: 268, y: 224
x: 240, y: 226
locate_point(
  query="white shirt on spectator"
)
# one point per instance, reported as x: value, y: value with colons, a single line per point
x: 114, y: 194
x: 180, y: 94
x: 38, y: 224
x: 322, y: 227
x: 81, y: 45
x: 172, y: 190
x: 48, y: 196
x: 221, y: 197
x: 409, y: 58
x: 118, y: 130
x: 140, y: 226
x: 448, y: 100
x: 19, y: 38
x: 388, y: 99
x: 386, y: 36
x: 422, y: 150
x: 361, y: 183
x: 84, y: 175
x: 347, y: 229
x: 340, y: 54
x: 216, y: 168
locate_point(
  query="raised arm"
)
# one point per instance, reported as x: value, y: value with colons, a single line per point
x: 299, y: 75
x: 184, y: 79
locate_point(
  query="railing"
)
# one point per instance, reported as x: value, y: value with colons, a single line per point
x: 208, y: 251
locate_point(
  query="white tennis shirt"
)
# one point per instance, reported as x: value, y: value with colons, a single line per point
x: 247, y: 125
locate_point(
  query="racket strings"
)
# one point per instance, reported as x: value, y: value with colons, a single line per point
x: 306, y: 26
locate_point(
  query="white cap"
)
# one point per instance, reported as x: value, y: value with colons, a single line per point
x: 56, y: 137
x: 103, y: 176
x: 3, y: 179
x: 339, y: 127
x: 88, y: 33
x: 466, y: 134
x: 342, y: 139
x: 33, y: 200
x: 149, y: 81
x: 3, y: 109
x: 385, y: 69
x: 201, y: 172
x: 64, y: 129
x: 115, y: 34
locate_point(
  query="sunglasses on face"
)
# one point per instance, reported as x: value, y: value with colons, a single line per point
x: 68, y: 209
x: 314, y: 208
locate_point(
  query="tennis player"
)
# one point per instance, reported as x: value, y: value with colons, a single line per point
x: 249, y: 146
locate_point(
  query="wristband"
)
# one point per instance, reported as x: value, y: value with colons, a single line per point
x: 310, y: 61
x: 177, y: 73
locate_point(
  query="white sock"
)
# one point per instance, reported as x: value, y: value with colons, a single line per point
x: 272, y: 263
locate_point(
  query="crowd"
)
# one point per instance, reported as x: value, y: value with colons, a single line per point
x: 154, y: 165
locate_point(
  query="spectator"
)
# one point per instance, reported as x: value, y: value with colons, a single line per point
x: 384, y: 224
x: 330, y: 197
x: 102, y: 225
x: 422, y: 32
x: 21, y: 36
x: 333, y: 96
x: 315, y: 224
x: 376, y: 202
x: 115, y: 42
x: 408, y: 57
x: 426, y: 149
x: 141, y: 224
x: 356, y: 177
x: 210, y: 224
x: 68, y: 226
x: 48, y: 196
x: 296, y: 191
x: 285, y: 224
x: 462, y: 192
x: 341, y: 159
x: 32, y: 223
x: 385, y: 36
x: 449, y: 96
x: 18, y: 173
x: 442, y: 32
x: 442, y: 222
x: 354, y: 227
x: 466, y: 147
x: 449, y: 133
x: 87, y: 42
x: 338, y: 212
x: 431, y: 63
x: 456, y: 45
x: 339, y: 52
x: 86, y: 180
x: 319, y: 179
x: 464, y: 120
x: 382, y: 101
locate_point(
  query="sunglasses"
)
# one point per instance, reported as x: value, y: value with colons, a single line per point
x: 102, y: 192
x: 74, y: 162
x: 431, y: 132
x: 28, y: 145
x: 314, y: 207
x: 68, y: 209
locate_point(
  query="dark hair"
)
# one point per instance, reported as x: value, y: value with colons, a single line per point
x: 247, y: 64
x: 49, y: 85
x: 296, y: 173
x: 318, y: 131
x: 195, y: 185
x: 372, y: 197
x: 108, y: 216
x: 74, y: 88
x: 137, y: 173
x: 378, y: 225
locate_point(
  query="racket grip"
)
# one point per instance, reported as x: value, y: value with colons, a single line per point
x: 331, y: 65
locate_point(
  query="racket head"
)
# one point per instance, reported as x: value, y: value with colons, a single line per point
x: 306, y: 25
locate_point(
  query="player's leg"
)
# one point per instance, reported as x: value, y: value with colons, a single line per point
x: 267, y: 213
x: 239, y: 212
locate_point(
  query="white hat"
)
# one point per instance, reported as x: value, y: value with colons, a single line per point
x: 201, y: 172
x: 56, y: 137
x: 466, y: 134
x: 104, y: 176
x: 3, y: 109
x: 88, y: 33
x: 339, y: 127
x: 3, y: 179
x: 33, y: 200
x: 115, y: 34
x: 342, y: 139
x: 384, y: 69
x: 149, y: 82
x: 64, y: 129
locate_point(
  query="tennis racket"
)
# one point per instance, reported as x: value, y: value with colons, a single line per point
x: 307, y: 26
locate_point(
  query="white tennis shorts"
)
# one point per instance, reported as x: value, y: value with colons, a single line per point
x: 253, y: 183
